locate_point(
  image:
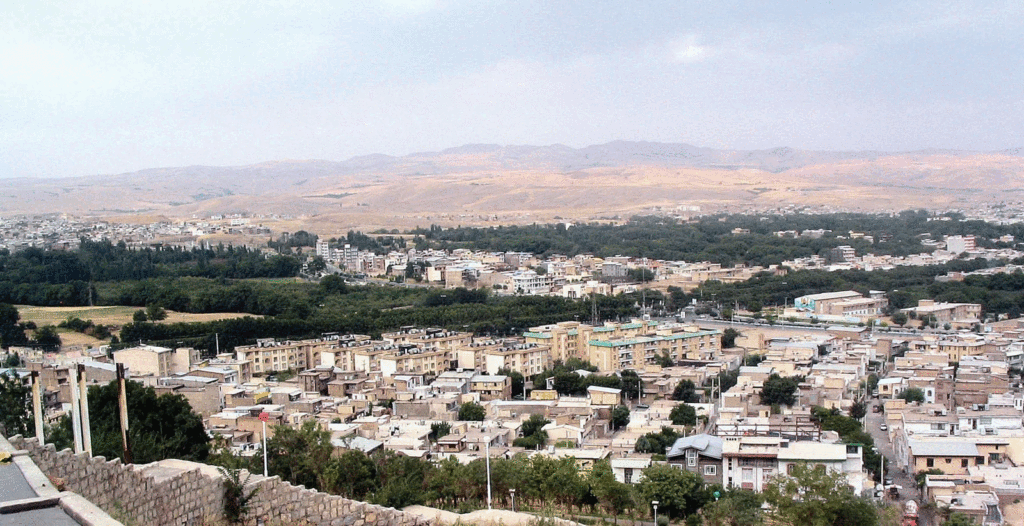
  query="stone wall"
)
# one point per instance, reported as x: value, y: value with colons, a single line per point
x: 186, y: 496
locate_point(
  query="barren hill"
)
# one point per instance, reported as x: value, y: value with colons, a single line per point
x: 489, y: 184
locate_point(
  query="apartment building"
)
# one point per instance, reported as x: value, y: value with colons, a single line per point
x: 750, y: 462
x: 150, y: 360
x: 639, y: 351
x: 527, y: 359
x: 946, y: 312
x: 414, y: 360
x: 566, y: 339
x: 268, y: 355
x: 429, y: 339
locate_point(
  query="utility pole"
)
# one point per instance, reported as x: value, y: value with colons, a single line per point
x: 122, y: 402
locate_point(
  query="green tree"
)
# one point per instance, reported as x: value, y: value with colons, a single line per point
x: 333, y: 284
x: 11, y: 333
x: 16, y: 401
x: 299, y: 455
x: 734, y: 508
x: 899, y: 318
x: 613, y: 496
x: 316, y: 265
x: 656, y: 443
x: 159, y: 427
x: 439, y: 430
x: 858, y: 410
x: 472, y: 411
x: 534, y: 435
x: 352, y: 475
x: 139, y: 316
x: 683, y: 415
x: 518, y: 382
x: 47, y: 337
x: 729, y: 336
x: 620, y: 417
x: 155, y: 312
x: 678, y: 492
x: 815, y: 496
x: 780, y: 390
x: 686, y: 391
x: 913, y: 394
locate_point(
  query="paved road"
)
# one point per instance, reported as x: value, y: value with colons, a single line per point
x: 899, y: 477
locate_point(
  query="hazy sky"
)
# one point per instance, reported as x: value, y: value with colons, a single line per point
x: 109, y: 87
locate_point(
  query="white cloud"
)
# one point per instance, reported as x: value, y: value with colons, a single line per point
x: 688, y: 50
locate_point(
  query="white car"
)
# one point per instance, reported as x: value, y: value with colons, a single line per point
x: 883, y: 427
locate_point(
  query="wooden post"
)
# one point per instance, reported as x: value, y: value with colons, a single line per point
x: 37, y: 408
x: 83, y: 398
x: 122, y: 402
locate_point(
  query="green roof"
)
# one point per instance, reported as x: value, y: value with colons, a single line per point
x: 536, y: 335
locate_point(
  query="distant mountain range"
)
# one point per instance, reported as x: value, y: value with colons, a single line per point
x: 530, y: 182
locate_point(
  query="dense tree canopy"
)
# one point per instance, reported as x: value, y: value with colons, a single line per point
x: 159, y: 427
x: 812, y: 496
x: 16, y: 405
x: 471, y: 411
x: 780, y: 390
x: 683, y: 415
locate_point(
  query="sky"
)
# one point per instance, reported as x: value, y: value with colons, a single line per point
x: 102, y: 87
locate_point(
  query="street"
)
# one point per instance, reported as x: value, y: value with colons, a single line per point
x: 908, y: 487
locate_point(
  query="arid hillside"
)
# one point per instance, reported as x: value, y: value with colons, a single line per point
x: 487, y: 184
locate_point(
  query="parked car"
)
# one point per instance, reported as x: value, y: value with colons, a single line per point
x: 883, y: 427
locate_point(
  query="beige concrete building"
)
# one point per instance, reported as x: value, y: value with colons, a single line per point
x: 412, y: 359
x: 946, y: 312
x: 429, y: 339
x: 156, y: 361
x: 491, y: 387
x: 526, y: 358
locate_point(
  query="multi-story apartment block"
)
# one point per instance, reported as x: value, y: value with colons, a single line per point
x: 525, y: 358
x: 472, y: 355
x: 412, y: 359
x: 639, y: 351
x: 429, y: 339
x: 566, y: 340
x: 269, y: 355
x: 960, y: 244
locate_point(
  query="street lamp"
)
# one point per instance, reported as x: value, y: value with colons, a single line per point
x: 512, y: 491
x: 655, y: 504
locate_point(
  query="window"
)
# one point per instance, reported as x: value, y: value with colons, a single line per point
x: 691, y: 458
x: 789, y: 469
x: 628, y: 475
x: 931, y: 462
x: 710, y: 470
x: 949, y: 461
